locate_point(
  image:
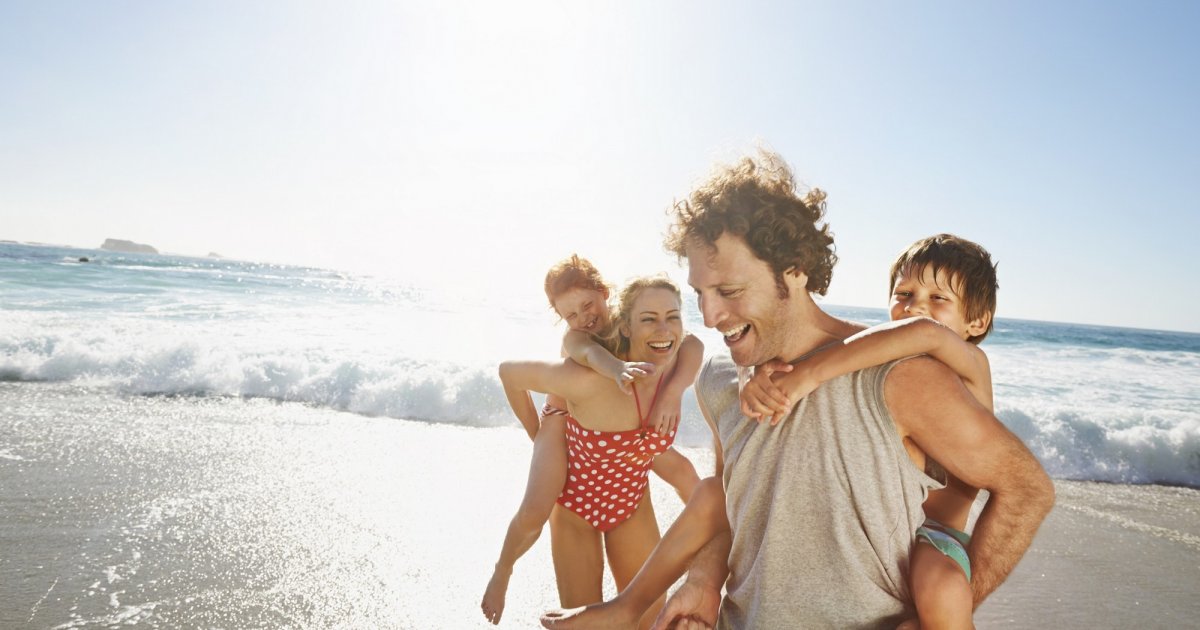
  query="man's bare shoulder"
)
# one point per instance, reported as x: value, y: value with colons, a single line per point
x: 920, y: 366
x: 920, y: 386
x: 847, y: 328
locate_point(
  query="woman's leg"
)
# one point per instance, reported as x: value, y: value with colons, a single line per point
x: 702, y: 518
x: 628, y: 545
x: 547, y: 474
x: 678, y: 471
x: 578, y: 559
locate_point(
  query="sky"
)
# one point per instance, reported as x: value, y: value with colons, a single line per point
x: 473, y: 144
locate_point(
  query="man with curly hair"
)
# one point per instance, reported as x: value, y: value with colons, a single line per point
x: 822, y: 508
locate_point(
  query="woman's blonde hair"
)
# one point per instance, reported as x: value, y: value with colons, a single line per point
x: 624, y: 310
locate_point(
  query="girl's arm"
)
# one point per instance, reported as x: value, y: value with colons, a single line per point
x: 586, y: 352
x: 667, y: 410
x: 773, y: 396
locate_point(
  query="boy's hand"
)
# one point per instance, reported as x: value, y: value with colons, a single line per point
x: 664, y: 417
x: 630, y: 372
x: 761, y: 397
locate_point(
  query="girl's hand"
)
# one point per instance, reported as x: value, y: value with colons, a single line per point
x: 762, y: 399
x: 631, y: 372
x: 665, y: 415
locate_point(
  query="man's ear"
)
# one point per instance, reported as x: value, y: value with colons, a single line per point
x: 796, y: 278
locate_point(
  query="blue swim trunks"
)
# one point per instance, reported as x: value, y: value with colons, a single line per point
x: 947, y: 540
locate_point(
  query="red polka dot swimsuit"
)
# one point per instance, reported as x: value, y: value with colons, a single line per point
x: 607, y: 470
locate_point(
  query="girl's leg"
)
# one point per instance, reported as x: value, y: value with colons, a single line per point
x: 678, y: 471
x: 940, y: 590
x: 578, y: 559
x: 547, y: 474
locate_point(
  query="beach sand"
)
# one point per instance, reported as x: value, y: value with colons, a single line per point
x: 187, y: 512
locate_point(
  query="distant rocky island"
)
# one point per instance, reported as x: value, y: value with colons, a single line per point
x: 128, y: 247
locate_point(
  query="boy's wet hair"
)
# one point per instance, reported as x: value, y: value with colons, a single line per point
x: 968, y: 269
x: 574, y: 272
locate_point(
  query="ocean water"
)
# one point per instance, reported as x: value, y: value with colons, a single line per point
x: 1092, y: 402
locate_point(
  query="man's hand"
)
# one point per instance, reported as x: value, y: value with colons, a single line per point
x: 691, y: 607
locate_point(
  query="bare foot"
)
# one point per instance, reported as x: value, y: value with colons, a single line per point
x: 909, y: 624
x: 493, y: 597
x: 603, y: 615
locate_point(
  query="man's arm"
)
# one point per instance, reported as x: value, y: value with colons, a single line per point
x: 700, y: 595
x: 931, y: 406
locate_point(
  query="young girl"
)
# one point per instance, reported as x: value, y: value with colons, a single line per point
x: 579, y: 295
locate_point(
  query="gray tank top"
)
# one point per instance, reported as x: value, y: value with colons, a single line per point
x: 823, y: 506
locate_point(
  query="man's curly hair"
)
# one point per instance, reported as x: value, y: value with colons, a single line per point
x: 755, y: 198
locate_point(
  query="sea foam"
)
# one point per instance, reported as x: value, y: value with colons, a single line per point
x: 1096, y: 403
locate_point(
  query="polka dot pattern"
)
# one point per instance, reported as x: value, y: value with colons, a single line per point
x: 608, y: 472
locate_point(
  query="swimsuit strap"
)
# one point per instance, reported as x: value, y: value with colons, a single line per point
x: 653, y: 400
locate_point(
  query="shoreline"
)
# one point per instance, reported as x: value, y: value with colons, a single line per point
x: 228, y: 512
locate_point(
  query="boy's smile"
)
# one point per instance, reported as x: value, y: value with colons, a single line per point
x: 932, y: 294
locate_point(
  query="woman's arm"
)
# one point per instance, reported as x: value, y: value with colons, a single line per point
x: 584, y: 350
x: 522, y: 405
x: 874, y: 346
x: 559, y: 377
x: 667, y: 410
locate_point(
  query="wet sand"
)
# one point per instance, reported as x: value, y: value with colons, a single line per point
x: 185, y: 512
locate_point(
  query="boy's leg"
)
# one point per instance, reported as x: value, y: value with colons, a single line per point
x: 703, y: 518
x: 547, y: 474
x: 678, y: 471
x: 940, y: 589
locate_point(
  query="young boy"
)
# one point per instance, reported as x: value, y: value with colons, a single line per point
x: 943, y: 301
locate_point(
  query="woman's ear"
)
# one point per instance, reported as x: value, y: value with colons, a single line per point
x: 625, y: 332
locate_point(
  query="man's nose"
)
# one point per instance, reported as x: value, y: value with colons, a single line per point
x: 713, y: 311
